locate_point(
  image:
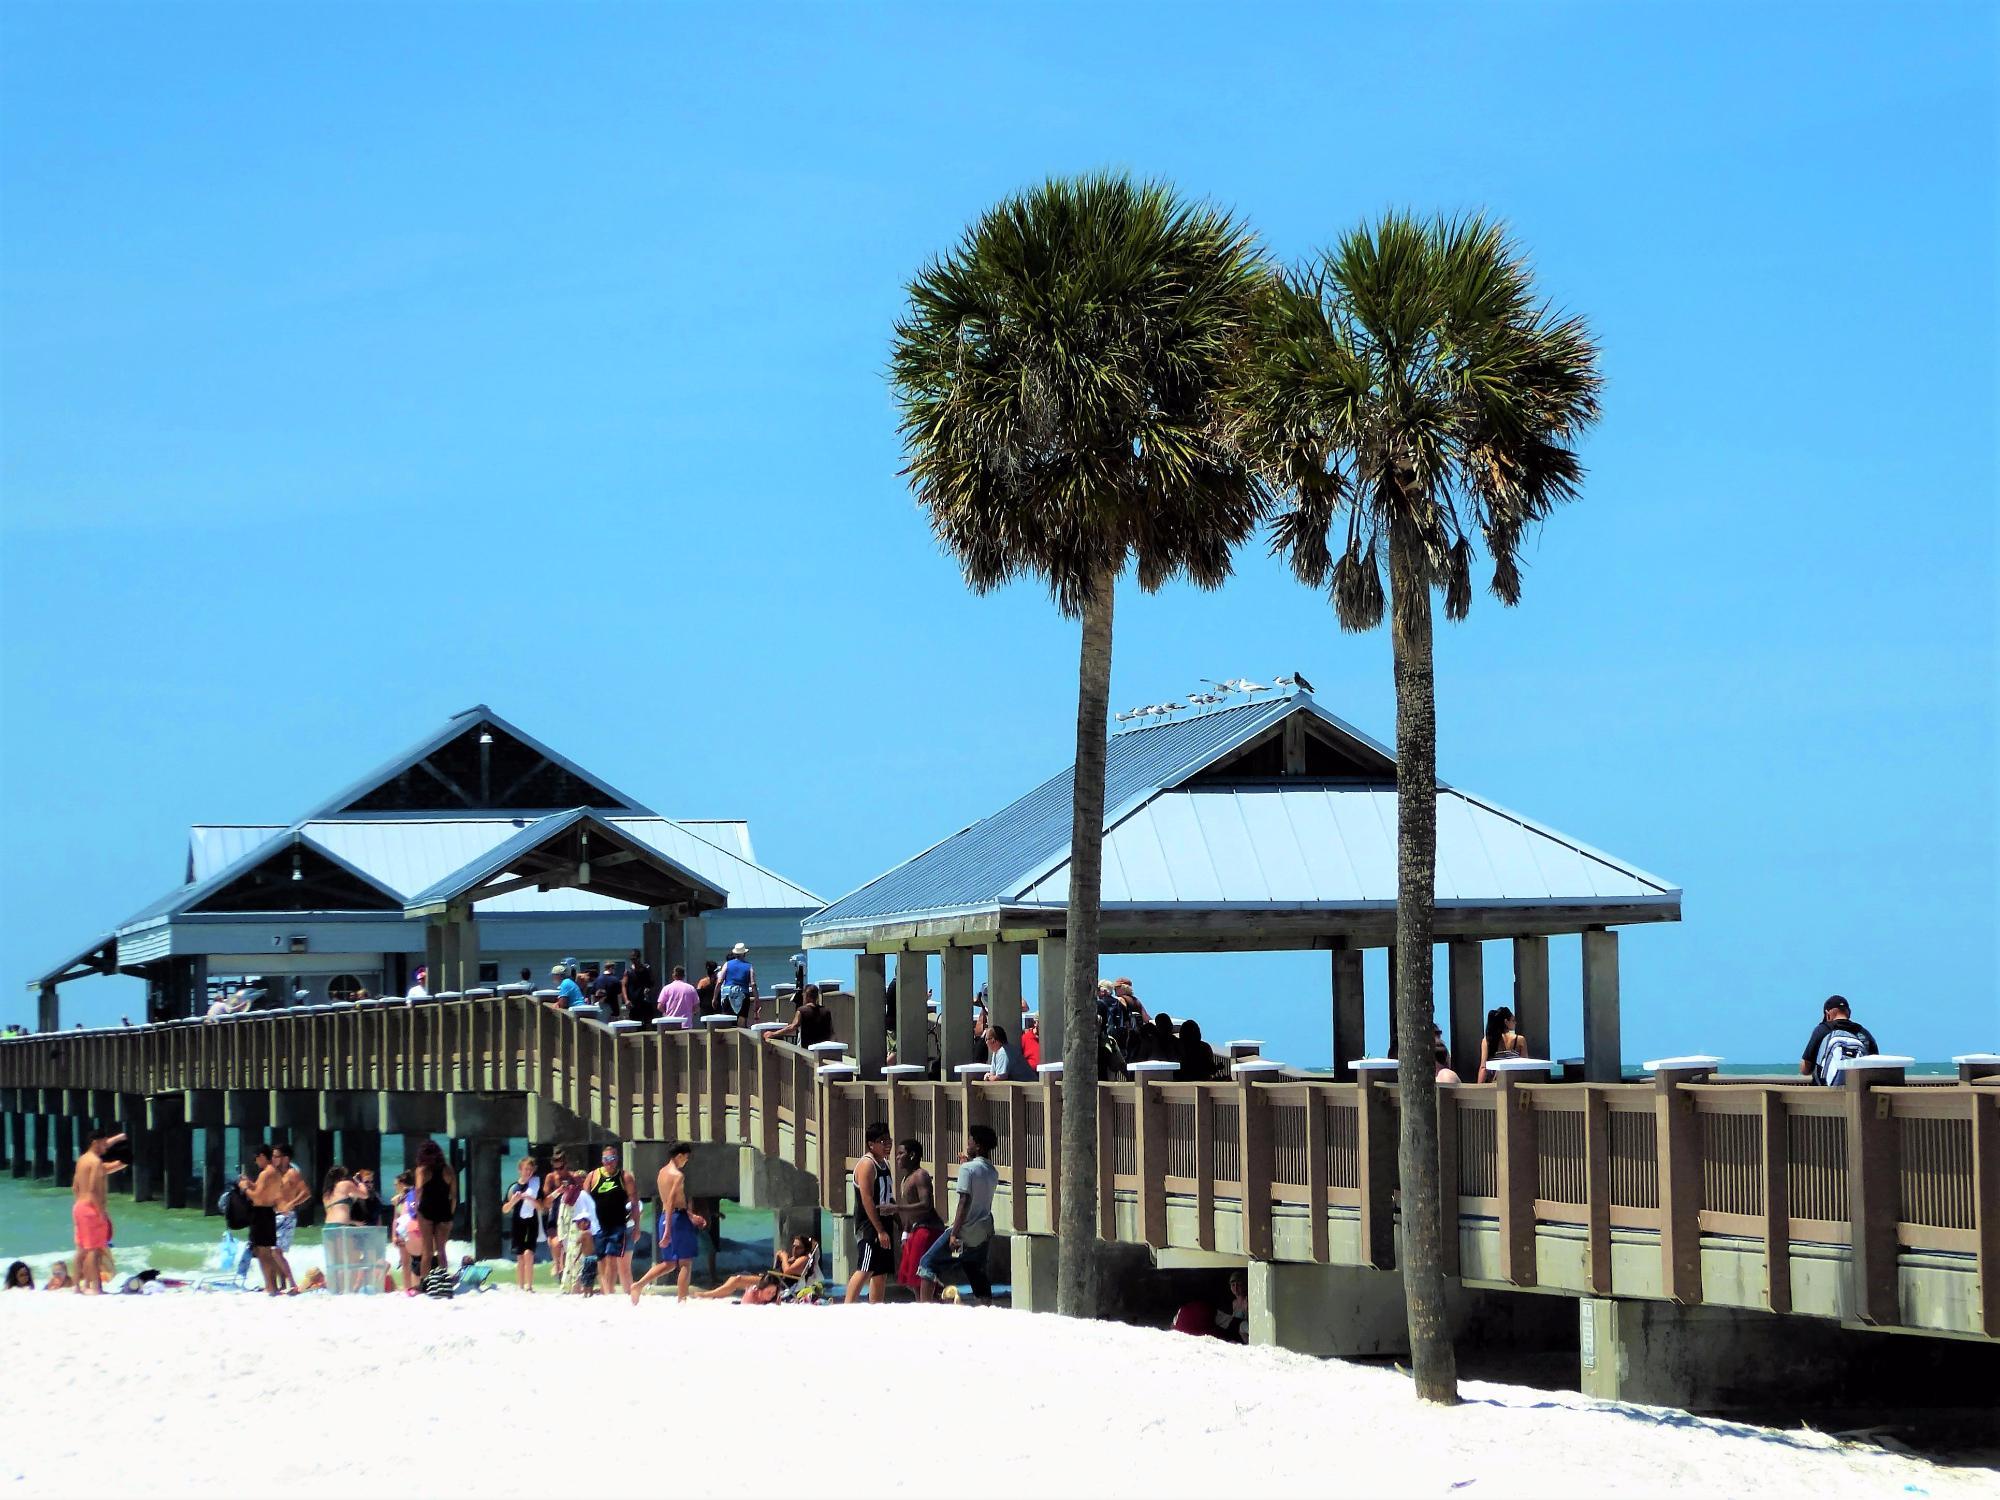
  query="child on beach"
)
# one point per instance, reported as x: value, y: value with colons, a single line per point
x: 406, y: 1229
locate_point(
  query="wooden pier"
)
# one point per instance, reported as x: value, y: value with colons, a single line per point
x: 1876, y: 1204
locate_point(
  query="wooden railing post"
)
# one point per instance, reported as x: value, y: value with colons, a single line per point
x: 1149, y: 1150
x: 717, y: 1110
x: 1448, y: 1208
x: 1776, y: 1182
x: 1107, y: 1163
x: 1375, y: 1127
x: 1316, y: 1171
x: 1984, y: 1105
x: 1514, y: 1145
x: 1052, y: 1115
x: 1204, y: 1167
x: 1254, y: 1153
x: 1678, y: 1147
x: 1873, y: 1149
x: 1597, y: 1188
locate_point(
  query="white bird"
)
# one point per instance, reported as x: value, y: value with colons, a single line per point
x: 1172, y: 707
x: 1292, y: 679
x: 1245, y: 685
x: 1225, y: 686
x: 1127, y: 716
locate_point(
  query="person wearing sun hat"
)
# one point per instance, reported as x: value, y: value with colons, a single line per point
x: 738, y: 983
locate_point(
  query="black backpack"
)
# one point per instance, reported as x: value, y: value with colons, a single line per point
x: 236, y: 1208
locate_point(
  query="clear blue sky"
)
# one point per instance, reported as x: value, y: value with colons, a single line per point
x: 367, y: 362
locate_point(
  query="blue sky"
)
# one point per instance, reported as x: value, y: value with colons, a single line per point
x: 358, y: 364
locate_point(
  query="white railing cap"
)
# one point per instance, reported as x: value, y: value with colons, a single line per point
x: 1153, y: 1065
x: 724, y: 1019
x: 904, y: 1070
x: 965, y: 1070
x: 836, y: 1070
x: 826, y: 1049
x: 1049, y: 1069
x: 1975, y: 1059
x: 548, y: 994
x: 1519, y: 1065
x: 670, y: 1023
x: 1245, y: 1041
x: 1697, y: 1061
x: 624, y: 1025
x: 763, y: 1026
x: 1376, y: 1065
x: 1257, y: 1065
x: 1877, y: 1060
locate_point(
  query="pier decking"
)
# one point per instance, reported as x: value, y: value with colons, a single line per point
x: 1876, y: 1204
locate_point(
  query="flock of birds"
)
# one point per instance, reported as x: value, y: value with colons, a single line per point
x: 1212, y: 693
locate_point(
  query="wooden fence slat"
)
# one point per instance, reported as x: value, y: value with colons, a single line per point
x: 1254, y: 1142
x: 1514, y: 1151
x: 1777, y: 1188
x: 1376, y: 1152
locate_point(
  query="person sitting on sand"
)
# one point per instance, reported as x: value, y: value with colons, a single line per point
x: 759, y: 1287
x: 20, y: 1278
x: 59, y: 1279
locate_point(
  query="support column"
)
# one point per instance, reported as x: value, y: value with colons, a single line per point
x: 1602, y: 1060
x: 362, y: 1148
x: 653, y: 946
x: 1658, y: 1354
x: 412, y: 1145
x: 149, y: 1123
x: 176, y: 1165
x: 41, y: 1160
x: 1003, y: 991
x: 1350, y: 1010
x: 673, y: 945
x: 18, y: 1154
x: 1051, y: 1010
x: 460, y: 1157
x: 62, y: 1159
x: 482, y: 1190
x: 955, y: 1009
x: 913, y: 983
x: 214, y: 1168
x: 1466, y: 958
x: 1348, y: 1312
x: 870, y: 1041
x: 1034, y: 1272
x: 434, y: 955
x: 1531, y: 994
x: 466, y: 952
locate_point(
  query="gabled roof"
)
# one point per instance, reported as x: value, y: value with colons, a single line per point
x: 1264, y: 805
x: 531, y: 777
x: 409, y: 853
x: 228, y: 886
x: 550, y: 849
x: 100, y: 956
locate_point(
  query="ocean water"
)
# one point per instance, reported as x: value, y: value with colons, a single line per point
x: 35, y: 1228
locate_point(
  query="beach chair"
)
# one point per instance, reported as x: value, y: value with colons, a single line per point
x: 472, y: 1279
x: 808, y: 1287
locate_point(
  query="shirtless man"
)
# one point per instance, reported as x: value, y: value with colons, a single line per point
x: 293, y: 1193
x: 916, y: 1214
x: 675, y: 1241
x: 263, y: 1194
x: 88, y: 1215
x: 872, y: 1194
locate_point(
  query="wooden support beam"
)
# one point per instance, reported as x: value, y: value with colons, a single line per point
x: 1449, y: 1211
x: 1776, y: 1184
x: 870, y: 1040
x: 1531, y: 994
x: 1017, y: 1159
x: 1603, y: 1062
x: 1150, y: 1159
x: 954, y: 1010
x: 1255, y: 1153
x: 1678, y: 1146
x: 1514, y: 1153
x: 1984, y: 1105
x: 1873, y: 1147
x: 1350, y: 1011
x: 1204, y: 1167
x: 1376, y: 1150
x: 1107, y: 1163
x: 1316, y: 1173
x: 913, y: 984
x: 1052, y: 1108
x: 1597, y: 1190
x: 1466, y: 961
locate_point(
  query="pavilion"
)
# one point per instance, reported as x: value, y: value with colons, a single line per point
x: 1267, y: 824
x: 477, y: 852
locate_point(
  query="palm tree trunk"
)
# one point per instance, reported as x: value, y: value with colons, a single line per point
x: 1076, y: 1262
x: 1432, y: 1359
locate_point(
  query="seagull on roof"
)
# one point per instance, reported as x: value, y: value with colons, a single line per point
x: 1245, y: 685
x: 1293, y: 679
x: 1224, y: 686
x: 1127, y: 716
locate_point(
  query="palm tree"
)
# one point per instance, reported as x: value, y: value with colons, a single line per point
x: 1060, y: 374
x: 1408, y: 390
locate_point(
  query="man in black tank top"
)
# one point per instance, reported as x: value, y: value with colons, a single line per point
x: 614, y: 1193
x: 872, y: 1191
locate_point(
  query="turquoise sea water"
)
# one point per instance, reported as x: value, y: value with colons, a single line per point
x: 35, y: 1227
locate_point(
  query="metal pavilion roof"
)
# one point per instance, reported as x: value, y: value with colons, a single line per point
x: 407, y: 854
x: 510, y: 855
x: 1261, y: 843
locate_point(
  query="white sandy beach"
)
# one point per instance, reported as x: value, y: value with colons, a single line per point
x: 186, y: 1394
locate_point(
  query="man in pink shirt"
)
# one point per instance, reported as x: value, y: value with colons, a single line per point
x: 678, y: 998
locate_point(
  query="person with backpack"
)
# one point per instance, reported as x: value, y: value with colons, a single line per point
x: 1835, y: 1042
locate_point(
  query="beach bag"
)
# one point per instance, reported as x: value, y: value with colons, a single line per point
x: 1836, y: 1050
x: 440, y: 1283
x: 236, y: 1209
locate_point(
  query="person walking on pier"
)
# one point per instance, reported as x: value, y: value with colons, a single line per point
x: 737, y: 985
x: 1835, y: 1042
x: 971, y: 1234
x: 873, y: 1192
x: 293, y: 1194
x: 88, y: 1214
x: 437, y: 1202
x: 641, y: 1004
x: 523, y: 1210
x: 615, y: 1194
x: 675, y: 1241
x: 679, y: 1000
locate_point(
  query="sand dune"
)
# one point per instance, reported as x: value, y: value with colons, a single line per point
x: 188, y: 1394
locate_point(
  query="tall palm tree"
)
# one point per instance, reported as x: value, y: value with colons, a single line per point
x: 1061, y: 374
x: 1409, y: 390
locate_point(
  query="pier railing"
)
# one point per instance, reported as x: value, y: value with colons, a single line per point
x: 1291, y: 1169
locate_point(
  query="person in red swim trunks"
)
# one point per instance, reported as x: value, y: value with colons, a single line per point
x: 92, y: 1222
x: 916, y: 1209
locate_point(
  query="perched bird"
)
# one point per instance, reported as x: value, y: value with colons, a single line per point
x: 1245, y: 685
x: 1293, y: 679
x: 1127, y: 716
